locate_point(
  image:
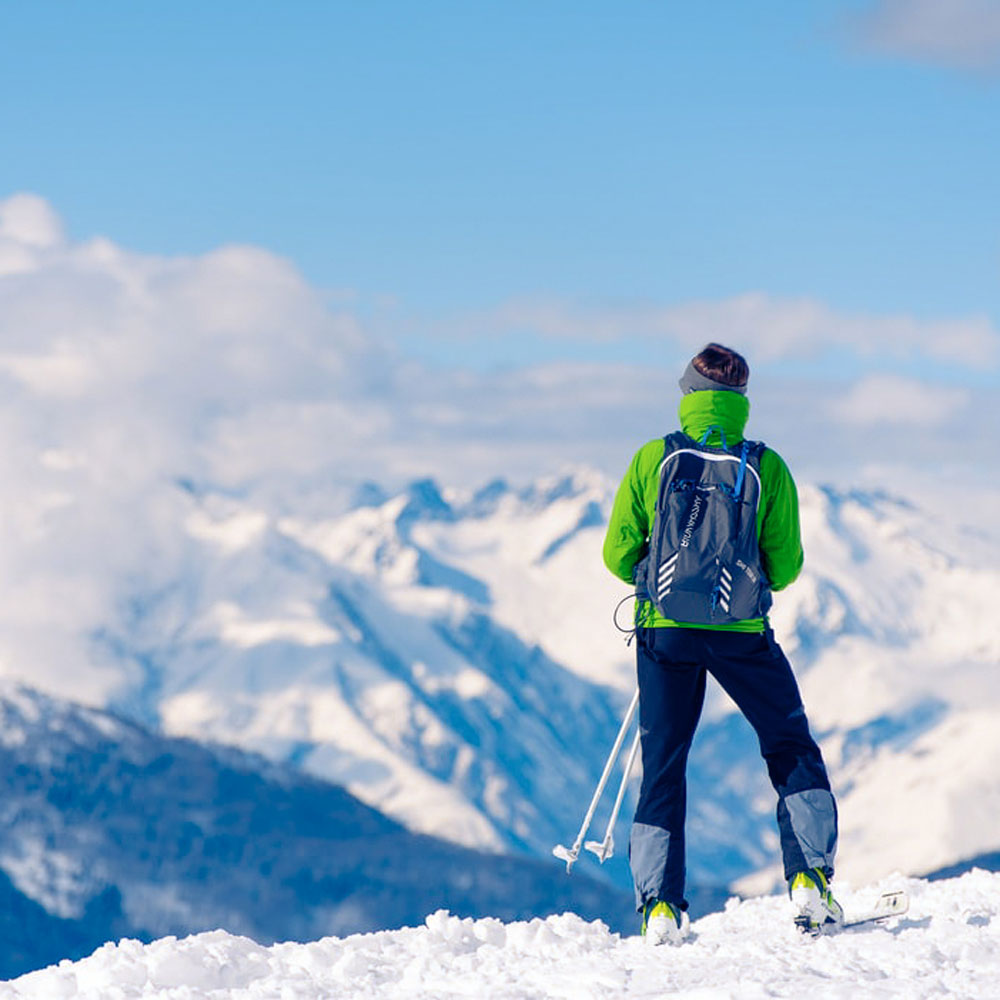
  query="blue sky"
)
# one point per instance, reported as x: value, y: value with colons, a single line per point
x: 251, y: 241
x: 434, y: 161
x: 277, y: 250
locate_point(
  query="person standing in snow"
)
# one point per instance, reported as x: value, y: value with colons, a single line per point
x: 666, y: 516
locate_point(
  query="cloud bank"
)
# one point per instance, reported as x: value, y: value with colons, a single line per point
x: 891, y: 400
x: 768, y: 328
x: 128, y: 379
x: 123, y: 375
x: 961, y: 34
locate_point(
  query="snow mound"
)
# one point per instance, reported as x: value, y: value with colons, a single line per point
x: 948, y: 945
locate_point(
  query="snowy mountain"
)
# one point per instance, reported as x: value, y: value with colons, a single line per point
x: 946, y: 946
x: 107, y: 830
x: 894, y: 628
x: 889, y: 629
x: 346, y: 647
x: 449, y: 658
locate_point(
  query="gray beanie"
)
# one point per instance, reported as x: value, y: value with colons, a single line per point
x: 693, y: 381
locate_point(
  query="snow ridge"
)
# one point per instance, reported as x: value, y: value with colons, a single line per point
x: 947, y: 946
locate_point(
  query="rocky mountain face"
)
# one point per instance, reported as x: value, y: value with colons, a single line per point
x: 109, y: 831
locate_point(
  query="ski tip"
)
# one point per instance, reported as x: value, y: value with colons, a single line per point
x: 893, y: 903
x: 889, y: 904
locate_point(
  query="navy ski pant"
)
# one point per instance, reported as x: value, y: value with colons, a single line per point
x: 751, y: 668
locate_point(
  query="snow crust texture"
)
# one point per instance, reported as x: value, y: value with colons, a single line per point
x: 948, y: 945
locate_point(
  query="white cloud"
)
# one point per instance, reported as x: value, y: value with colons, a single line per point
x: 30, y: 221
x: 889, y: 399
x: 28, y: 228
x: 765, y: 327
x: 964, y: 34
x: 181, y: 343
x: 123, y: 373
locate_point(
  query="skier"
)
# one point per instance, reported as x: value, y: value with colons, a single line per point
x: 660, y: 538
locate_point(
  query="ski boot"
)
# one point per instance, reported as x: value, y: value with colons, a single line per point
x: 815, y: 907
x: 663, y: 922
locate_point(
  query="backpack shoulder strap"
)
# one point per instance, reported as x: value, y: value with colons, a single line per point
x: 674, y: 443
x: 678, y: 441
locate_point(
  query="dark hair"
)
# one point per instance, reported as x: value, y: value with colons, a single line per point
x: 722, y: 364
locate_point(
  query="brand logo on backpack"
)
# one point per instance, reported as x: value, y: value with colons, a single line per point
x: 705, y: 530
x: 692, y: 521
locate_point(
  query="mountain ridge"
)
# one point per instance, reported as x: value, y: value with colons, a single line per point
x: 448, y: 656
x: 110, y: 831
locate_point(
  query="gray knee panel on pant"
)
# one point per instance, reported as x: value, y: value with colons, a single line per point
x: 648, y: 850
x: 813, y: 817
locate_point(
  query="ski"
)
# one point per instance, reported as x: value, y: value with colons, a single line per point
x: 889, y: 904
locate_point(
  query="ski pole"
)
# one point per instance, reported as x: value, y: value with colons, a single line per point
x: 605, y: 849
x: 570, y: 854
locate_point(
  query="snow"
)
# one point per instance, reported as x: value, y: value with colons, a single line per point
x: 541, y: 556
x: 301, y: 625
x: 341, y: 644
x: 947, y: 945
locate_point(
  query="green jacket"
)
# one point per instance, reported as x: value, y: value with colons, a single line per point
x: 634, y: 509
